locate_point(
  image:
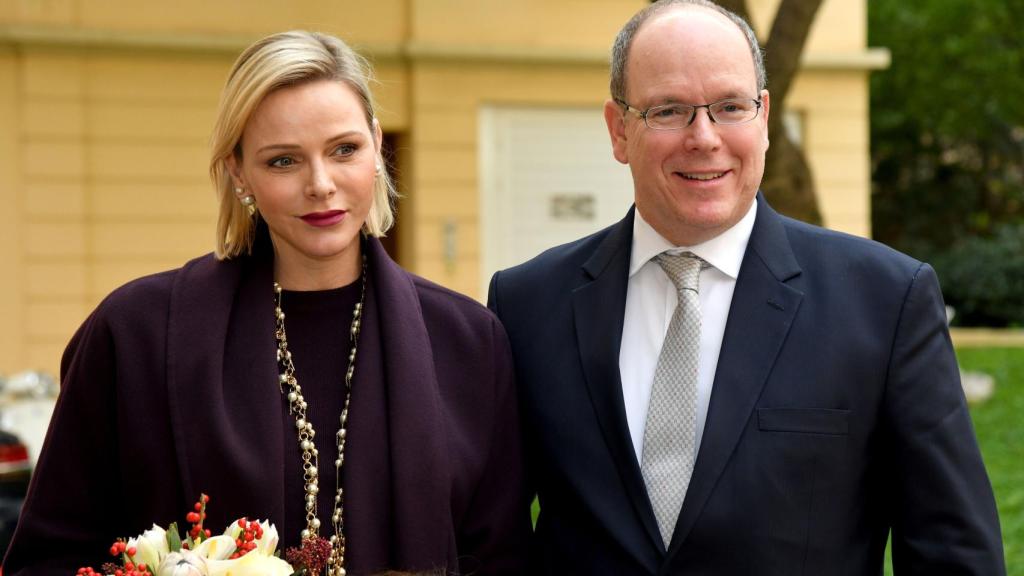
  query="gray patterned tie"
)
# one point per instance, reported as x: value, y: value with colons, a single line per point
x: 670, y: 430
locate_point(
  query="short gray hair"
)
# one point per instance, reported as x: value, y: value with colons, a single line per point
x: 624, y: 40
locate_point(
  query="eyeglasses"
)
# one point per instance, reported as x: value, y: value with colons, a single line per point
x: 679, y: 116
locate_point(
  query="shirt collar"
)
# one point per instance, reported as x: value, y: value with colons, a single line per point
x: 724, y: 252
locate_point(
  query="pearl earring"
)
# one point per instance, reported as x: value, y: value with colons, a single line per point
x: 377, y: 170
x: 248, y: 201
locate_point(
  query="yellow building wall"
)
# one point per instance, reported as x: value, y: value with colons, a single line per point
x: 12, y: 287
x: 445, y: 180
x: 106, y: 109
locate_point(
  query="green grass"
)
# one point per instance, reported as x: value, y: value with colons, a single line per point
x: 999, y: 425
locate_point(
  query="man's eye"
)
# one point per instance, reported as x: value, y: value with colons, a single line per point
x: 281, y: 162
x: 734, y: 107
x: 667, y: 111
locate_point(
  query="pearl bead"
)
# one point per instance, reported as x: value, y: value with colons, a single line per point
x: 300, y: 424
x: 292, y: 397
x: 316, y: 522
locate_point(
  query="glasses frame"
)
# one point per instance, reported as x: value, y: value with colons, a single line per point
x: 693, y: 115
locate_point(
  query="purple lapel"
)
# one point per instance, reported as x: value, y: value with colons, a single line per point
x: 225, y: 416
x: 421, y: 481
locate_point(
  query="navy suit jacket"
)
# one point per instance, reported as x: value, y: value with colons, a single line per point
x: 836, y: 415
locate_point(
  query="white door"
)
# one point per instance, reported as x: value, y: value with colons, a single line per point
x: 547, y: 177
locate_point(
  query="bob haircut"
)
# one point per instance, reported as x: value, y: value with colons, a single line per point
x: 279, y: 61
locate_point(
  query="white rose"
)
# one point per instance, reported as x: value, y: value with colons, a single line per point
x: 265, y: 545
x: 216, y: 548
x: 183, y: 563
x: 268, y: 543
x: 150, y: 546
x: 252, y: 564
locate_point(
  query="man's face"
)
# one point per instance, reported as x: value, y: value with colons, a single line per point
x: 694, y: 183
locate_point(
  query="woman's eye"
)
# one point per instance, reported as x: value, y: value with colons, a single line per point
x: 345, y: 150
x: 282, y: 162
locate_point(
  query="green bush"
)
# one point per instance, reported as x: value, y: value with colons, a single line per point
x: 983, y: 278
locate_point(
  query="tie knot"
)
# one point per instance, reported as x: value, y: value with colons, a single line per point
x: 683, y: 269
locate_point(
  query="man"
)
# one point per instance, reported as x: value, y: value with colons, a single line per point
x: 710, y: 388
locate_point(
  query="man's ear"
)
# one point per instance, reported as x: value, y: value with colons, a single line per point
x: 616, y: 121
x: 765, y: 108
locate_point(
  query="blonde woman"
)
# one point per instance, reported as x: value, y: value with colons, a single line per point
x: 297, y: 374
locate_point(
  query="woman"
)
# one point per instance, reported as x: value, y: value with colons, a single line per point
x: 297, y: 354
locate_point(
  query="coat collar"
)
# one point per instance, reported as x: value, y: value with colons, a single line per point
x: 598, y: 310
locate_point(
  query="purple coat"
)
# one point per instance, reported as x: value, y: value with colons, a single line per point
x: 169, y: 389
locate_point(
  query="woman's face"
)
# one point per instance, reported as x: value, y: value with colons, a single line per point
x: 310, y: 158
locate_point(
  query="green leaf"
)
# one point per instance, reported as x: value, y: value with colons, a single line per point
x: 173, y: 538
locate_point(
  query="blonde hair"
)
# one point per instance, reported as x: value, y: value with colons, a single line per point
x: 278, y: 61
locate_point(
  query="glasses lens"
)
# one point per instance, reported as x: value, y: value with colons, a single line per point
x: 669, y: 116
x: 733, y: 111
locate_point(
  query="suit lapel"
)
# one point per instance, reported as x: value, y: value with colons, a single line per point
x: 598, y: 309
x: 762, y: 311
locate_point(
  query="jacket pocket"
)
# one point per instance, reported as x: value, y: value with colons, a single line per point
x: 804, y: 420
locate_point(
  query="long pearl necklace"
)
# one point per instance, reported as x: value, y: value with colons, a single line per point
x: 310, y: 455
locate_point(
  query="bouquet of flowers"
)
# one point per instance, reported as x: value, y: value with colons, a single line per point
x: 246, y: 548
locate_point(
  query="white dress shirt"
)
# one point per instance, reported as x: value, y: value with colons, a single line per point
x: 650, y: 301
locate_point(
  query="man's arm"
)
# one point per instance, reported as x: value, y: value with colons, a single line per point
x: 944, y: 518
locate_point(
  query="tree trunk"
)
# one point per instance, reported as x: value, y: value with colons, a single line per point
x: 787, y: 180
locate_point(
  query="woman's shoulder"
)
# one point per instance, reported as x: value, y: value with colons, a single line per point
x: 435, y: 298
x: 146, y: 296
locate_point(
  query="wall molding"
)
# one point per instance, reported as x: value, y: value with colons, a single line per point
x: 412, y: 51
